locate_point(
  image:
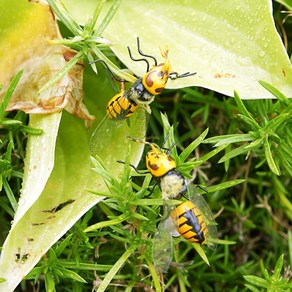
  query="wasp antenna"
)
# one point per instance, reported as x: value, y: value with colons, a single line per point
x: 202, y: 188
x: 185, y: 197
x: 109, y: 69
x: 163, y: 143
x: 152, y: 189
x: 169, y: 149
x: 133, y: 166
x: 152, y: 145
x: 138, y: 60
x: 165, y: 139
x: 136, y: 139
x: 145, y: 55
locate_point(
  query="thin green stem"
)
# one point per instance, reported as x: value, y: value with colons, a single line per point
x: 63, y: 71
x: 116, y: 267
x: 10, y: 194
x: 115, y: 70
x: 99, y: 225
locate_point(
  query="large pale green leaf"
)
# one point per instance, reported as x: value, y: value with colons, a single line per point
x: 57, y: 174
x: 231, y: 44
x: 48, y: 208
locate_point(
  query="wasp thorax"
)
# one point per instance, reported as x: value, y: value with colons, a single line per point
x: 172, y: 185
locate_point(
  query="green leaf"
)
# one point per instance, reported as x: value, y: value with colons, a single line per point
x: 264, y: 271
x: 233, y: 153
x: 118, y: 264
x: 201, y: 253
x: 9, y: 194
x: 254, y: 126
x: 11, y: 123
x: 210, y: 39
x: 112, y: 11
x: 8, y: 93
x: 65, y: 17
x: 276, y: 122
x: 57, y: 178
x: 217, y: 139
x: 72, y: 275
x: 49, y: 282
x: 286, y: 3
x: 191, y: 147
x: 254, y: 145
x: 290, y: 246
x: 225, y: 185
x: 235, y: 138
x: 278, y: 268
x: 269, y: 157
x: 96, y: 14
x: 241, y: 107
x: 277, y: 93
x: 257, y: 281
x: 251, y: 288
x: 212, y: 153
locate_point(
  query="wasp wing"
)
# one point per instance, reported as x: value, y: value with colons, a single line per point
x: 162, y: 249
x: 103, y: 134
x: 104, y: 138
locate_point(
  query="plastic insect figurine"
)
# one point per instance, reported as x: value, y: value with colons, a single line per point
x: 140, y: 94
x: 192, y: 219
x: 143, y: 91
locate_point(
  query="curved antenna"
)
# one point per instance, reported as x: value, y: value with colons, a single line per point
x: 109, y: 69
x: 137, y: 60
x: 142, y: 54
x: 168, y: 150
x: 145, y: 55
x: 139, y: 140
x: 133, y: 166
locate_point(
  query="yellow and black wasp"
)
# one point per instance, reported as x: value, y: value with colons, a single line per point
x: 191, y: 219
x: 140, y: 94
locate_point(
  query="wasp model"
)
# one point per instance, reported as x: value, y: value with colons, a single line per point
x: 140, y: 94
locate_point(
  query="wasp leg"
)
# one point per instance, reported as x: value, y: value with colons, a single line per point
x: 175, y: 75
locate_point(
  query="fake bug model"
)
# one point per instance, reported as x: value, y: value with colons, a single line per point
x: 140, y: 94
x: 192, y: 219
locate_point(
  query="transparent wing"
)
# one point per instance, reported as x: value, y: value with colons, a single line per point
x: 202, y: 206
x: 104, y: 138
x: 162, y: 249
x: 103, y: 134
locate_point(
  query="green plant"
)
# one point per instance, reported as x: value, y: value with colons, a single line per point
x: 265, y: 133
x: 274, y: 282
x: 141, y: 215
x: 13, y: 127
x: 110, y: 245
